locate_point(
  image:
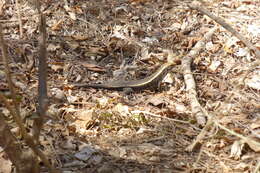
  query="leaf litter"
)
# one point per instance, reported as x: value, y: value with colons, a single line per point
x: 106, y: 131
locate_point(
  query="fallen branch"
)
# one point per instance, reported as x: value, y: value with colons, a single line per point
x: 257, y: 168
x: 201, y: 135
x: 15, y: 111
x: 212, y: 121
x: 197, y: 6
x: 158, y: 116
x: 23, y: 160
x: 42, y: 84
x: 19, y: 18
x: 189, y: 80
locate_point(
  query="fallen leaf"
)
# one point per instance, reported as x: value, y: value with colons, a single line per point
x: 53, y: 47
x: 236, y: 149
x: 254, y: 80
x: 93, y: 67
x: 89, y: 154
x: 241, y: 166
x: 122, y: 109
x: 80, y: 37
x: 254, y: 145
x: 157, y: 100
x: 2, y: 3
x: 214, y: 66
x: 57, y: 26
x: 6, y: 165
x: 57, y: 67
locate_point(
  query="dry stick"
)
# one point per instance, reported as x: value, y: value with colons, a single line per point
x: 42, y: 86
x: 203, y: 132
x: 8, y: 75
x: 201, y: 135
x: 19, y: 18
x: 23, y: 160
x: 158, y: 116
x: 226, y: 26
x: 28, y: 139
x: 166, y: 118
x: 15, y: 112
x: 257, y: 168
x: 252, y: 143
x: 234, y: 32
x: 189, y: 80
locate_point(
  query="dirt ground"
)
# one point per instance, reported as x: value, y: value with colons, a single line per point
x: 98, y: 130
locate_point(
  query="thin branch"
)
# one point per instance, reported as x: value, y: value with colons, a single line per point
x: 15, y: 112
x: 23, y: 160
x: 42, y: 84
x: 257, y: 168
x: 162, y: 117
x: 158, y: 116
x: 197, y: 6
x: 28, y: 139
x: 8, y: 77
x: 189, y: 80
x: 19, y: 18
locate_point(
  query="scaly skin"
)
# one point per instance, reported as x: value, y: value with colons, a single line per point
x: 151, y: 81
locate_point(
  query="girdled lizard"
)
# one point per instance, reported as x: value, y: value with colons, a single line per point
x: 153, y: 81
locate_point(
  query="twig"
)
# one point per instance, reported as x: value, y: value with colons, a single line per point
x: 245, y: 139
x: 197, y: 6
x: 19, y: 18
x: 212, y: 120
x: 158, y: 116
x: 8, y: 75
x: 23, y: 160
x: 166, y: 118
x: 201, y: 135
x: 257, y: 168
x: 28, y: 139
x: 42, y: 85
x: 189, y: 80
x: 15, y: 112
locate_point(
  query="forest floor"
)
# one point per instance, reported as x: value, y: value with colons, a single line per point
x: 98, y: 130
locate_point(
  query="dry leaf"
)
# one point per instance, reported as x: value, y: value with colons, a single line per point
x: 157, y: 100
x: 80, y: 37
x: 241, y: 167
x: 93, y: 67
x: 6, y: 165
x: 254, y: 80
x: 57, y: 67
x: 103, y: 102
x: 254, y: 145
x: 122, y: 109
x: 53, y: 47
x: 74, y: 45
x: 236, y: 149
x: 214, y: 66
x: 85, y: 153
x: 2, y: 3
x: 57, y: 26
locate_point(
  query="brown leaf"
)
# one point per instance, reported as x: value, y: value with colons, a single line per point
x: 93, y: 67
x: 80, y: 37
x: 253, y: 144
x: 6, y: 165
x: 157, y: 100
x: 2, y: 3
x: 57, y: 26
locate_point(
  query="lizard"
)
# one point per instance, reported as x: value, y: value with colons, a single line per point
x: 153, y: 81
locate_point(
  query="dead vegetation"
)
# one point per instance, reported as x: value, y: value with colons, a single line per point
x: 207, y: 119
